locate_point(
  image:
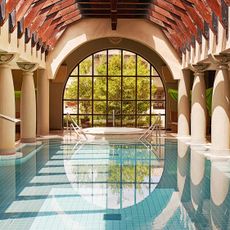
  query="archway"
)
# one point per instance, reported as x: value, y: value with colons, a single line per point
x: 114, y: 87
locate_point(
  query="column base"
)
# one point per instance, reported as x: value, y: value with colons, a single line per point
x: 28, y: 140
x: 7, y: 152
x: 217, y: 148
x: 198, y: 141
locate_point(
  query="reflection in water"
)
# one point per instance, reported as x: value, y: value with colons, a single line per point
x: 220, y: 195
x: 116, y: 176
x: 208, y: 198
x: 73, y: 187
x: 183, y: 171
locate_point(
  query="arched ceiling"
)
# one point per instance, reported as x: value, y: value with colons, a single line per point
x: 182, y: 21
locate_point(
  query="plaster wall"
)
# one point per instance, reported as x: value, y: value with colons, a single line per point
x: 140, y: 30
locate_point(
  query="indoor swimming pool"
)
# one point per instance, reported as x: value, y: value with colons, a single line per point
x: 109, y: 185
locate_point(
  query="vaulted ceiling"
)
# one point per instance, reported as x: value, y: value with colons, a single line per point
x: 182, y: 21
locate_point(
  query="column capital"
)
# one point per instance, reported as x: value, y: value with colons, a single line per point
x: 221, y: 60
x: 27, y: 66
x: 5, y: 57
x: 199, y: 67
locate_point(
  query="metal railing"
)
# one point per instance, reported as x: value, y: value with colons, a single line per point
x: 72, y: 125
x: 153, y: 145
x: 12, y: 119
x: 154, y: 127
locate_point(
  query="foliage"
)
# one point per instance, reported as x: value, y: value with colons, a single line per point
x: 173, y: 93
x: 114, y: 84
x: 17, y: 94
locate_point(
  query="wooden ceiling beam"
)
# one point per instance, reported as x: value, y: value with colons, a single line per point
x: 113, y: 14
x: 20, y: 13
x: 173, y: 20
x: 50, y: 3
x: 34, y: 12
x: 198, y: 21
x: 49, y: 26
x: 157, y: 22
x: 61, y: 5
x: 53, y: 40
x: 11, y: 5
x: 69, y: 21
x: 171, y: 38
x: 65, y: 11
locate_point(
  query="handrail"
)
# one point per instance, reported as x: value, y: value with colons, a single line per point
x: 78, y: 130
x: 155, y: 126
x: 15, y: 120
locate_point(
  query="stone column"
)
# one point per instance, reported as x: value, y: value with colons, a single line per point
x: 199, y: 110
x: 7, y: 105
x: 184, y: 104
x: 28, y: 103
x: 220, y: 129
x: 42, y: 103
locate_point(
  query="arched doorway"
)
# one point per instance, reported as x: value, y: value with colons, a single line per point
x: 114, y: 87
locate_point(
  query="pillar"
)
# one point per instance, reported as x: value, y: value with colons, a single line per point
x: 42, y: 103
x: 7, y: 105
x: 28, y: 104
x: 220, y: 129
x: 184, y: 104
x: 199, y: 110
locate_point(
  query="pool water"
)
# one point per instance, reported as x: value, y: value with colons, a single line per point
x: 102, y: 186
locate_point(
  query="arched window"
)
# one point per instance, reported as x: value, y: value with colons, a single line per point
x: 114, y: 88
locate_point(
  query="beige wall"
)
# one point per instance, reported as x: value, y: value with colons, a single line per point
x: 144, y: 32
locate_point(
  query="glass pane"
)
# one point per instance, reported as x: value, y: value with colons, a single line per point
x: 74, y: 72
x: 99, y: 107
x: 99, y: 88
x: 85, y: 88
x: 69, y: 107
x: 157, y: 89
x: 129, y: 63
x: 100, y: 67
x: 114, y: 105
x: 114, y: 62
x: 71, y: 88
x: 162, y: 120
x: 85, y: 107
x: 153, y: 71
x: 85, y: 121
x: 128, y: 121
x: 158, y: 107
x: 66, y: 118
x: 128, y: 107
x: 143, y: 88
x: 99, y: 121
x: 86, y: 66
x: 129, y: 85
x: 143, y: 67
x: 114, y: 88
x: 143, y: 107
x: 143, y: 121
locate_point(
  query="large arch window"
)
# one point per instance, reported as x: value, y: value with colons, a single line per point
x: 114, y: 88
